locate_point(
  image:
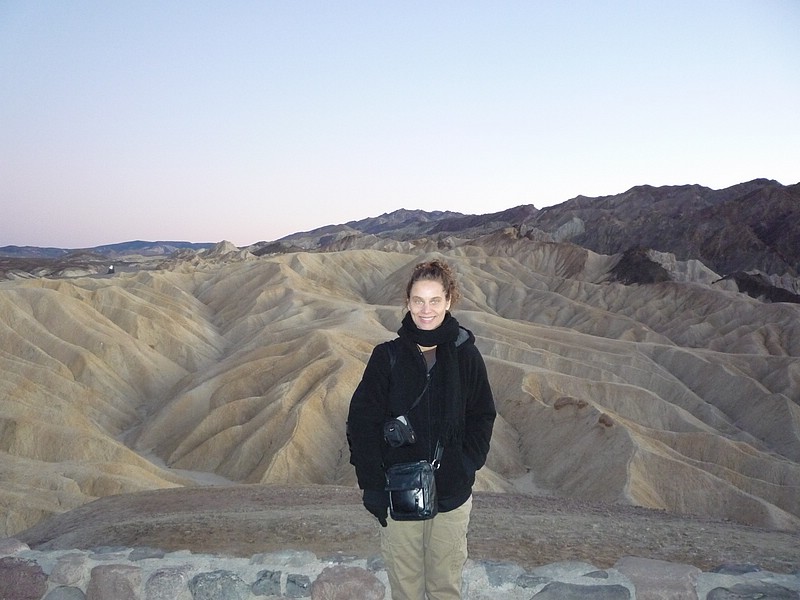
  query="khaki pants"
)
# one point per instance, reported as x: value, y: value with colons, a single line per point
x: 427, y: 557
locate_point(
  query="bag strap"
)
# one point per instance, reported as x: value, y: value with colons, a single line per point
x: 437, y: 454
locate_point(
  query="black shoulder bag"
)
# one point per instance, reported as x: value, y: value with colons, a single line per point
x: 412, y: 489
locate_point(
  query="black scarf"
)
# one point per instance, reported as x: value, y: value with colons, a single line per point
x: 444, y: 338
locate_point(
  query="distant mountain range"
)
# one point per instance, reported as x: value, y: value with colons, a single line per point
x: 139, y: 247
x: 748, y: 227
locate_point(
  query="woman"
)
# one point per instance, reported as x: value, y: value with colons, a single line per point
x: 435, y: 377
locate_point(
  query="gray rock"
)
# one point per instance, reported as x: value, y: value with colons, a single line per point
x: 499, y: 573
x: 218, y: 585
x: 347, y: 583
x: 267, y: 584
x: 339, y: 558
x: 753, y: 591
x: 558, y: 590
x: 143, y: 553
x: 70, y: 570
x: 529, y: 580
x: 110, y: 553
x: 658, y: 579
x: 375, y: 563
x: 736, y: 569
x: 168, y: 583
x: 65, y: 592
x: 564, y: 569
x: 286, y: 558
x: 597, y: 575
x: 298, y: 586
x: 21, y: 579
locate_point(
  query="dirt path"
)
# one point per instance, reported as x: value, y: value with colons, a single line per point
x: 243, y: 520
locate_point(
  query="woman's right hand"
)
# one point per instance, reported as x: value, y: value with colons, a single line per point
x: 377, y: 503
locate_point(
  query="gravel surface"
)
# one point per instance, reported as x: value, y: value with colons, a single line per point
x: 531, y: 531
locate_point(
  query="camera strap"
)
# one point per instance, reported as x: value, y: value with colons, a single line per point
x: 421, y: 394
x: 392, y: 360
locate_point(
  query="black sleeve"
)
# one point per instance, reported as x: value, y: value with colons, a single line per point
x: 480, y: 411
x: 365, y: 420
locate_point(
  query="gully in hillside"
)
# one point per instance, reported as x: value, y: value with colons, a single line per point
x: 419, y: 427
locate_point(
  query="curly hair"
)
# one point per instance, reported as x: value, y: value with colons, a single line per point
x: 435, y: 270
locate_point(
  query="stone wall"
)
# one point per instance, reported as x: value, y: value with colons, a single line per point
x: 148, y: 574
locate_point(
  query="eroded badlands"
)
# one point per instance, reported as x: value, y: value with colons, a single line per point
x: 228, y: 367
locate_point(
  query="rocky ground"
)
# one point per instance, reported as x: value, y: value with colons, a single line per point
x: 243, y: 520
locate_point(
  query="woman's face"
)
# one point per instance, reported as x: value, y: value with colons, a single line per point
x: 428, y: 304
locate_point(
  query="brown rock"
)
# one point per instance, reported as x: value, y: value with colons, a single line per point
x: 347, y: 583
x: 121, y: 582
x: 659, y: 580
x: 21, y: 579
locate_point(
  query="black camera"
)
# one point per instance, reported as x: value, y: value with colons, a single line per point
x: 398, y: 432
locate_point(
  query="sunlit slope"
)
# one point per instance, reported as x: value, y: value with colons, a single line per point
x: 81, y: 362
x: 681, y: 396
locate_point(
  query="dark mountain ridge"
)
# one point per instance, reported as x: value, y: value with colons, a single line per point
x: 746, y: 227
x: 750, y: 226
x: 401, y: 219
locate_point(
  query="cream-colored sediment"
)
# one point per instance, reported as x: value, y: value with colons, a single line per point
x: 682, y: 396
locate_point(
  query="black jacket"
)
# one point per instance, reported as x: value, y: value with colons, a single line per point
x: 369, y: 410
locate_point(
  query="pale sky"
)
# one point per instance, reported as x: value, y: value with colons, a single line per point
x: 246, y: 121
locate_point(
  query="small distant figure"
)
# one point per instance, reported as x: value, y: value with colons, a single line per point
x: 111, y: 270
